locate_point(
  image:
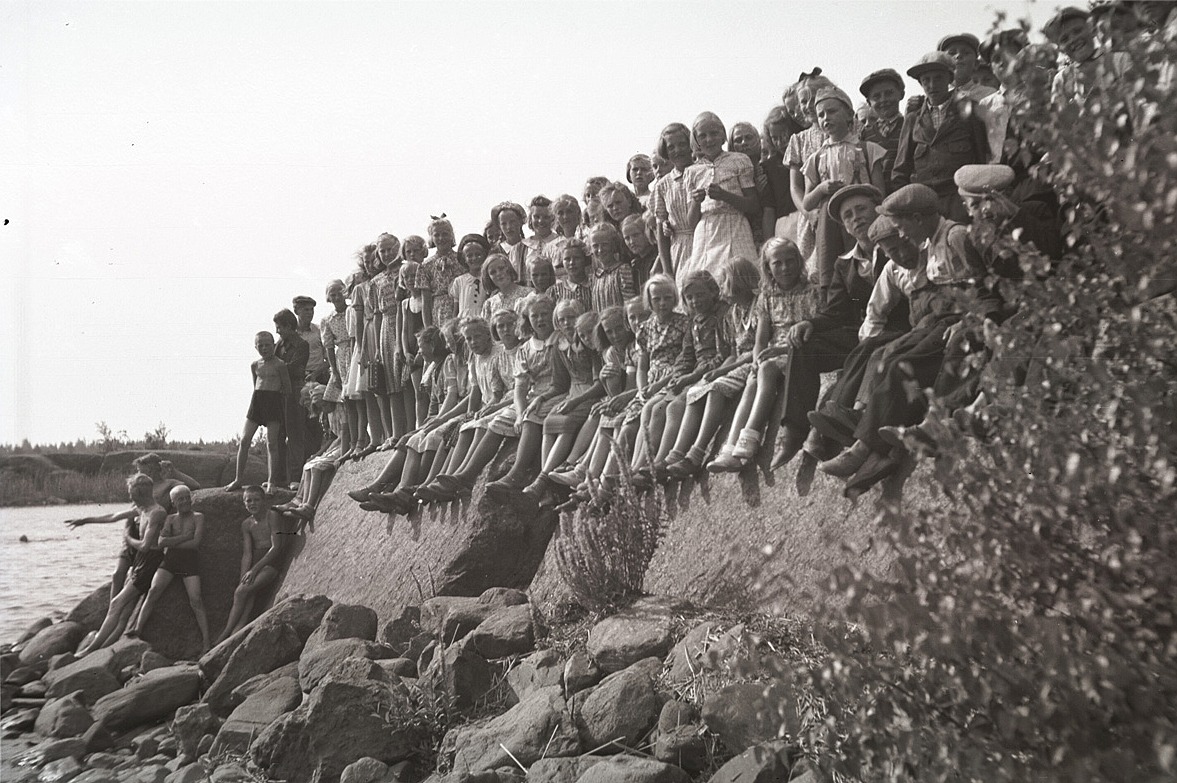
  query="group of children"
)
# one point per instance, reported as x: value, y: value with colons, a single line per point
x: 680, y: 321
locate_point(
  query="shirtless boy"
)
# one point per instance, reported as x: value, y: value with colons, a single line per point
x: 265, y: 538
x: 147, y: 559
x: 180, y: 539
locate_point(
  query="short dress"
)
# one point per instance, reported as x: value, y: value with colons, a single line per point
x: 337, y: 342
x: 494, y: 373
x: 739, y: 329
x: 357, y: 377
x: 372, y: 320
x: 613, y: 287
x: 801, y: 147
x: 670, y: 193
x: 388, y: 302
x: 784, y: 309
x: 454, y: 378
x: 500, y: 300
x: 582, y: 364
x: 536, y: 363
x: 435, y: 275
x: 668, y: 344
x: 723, y: 232
x: 626, y: 361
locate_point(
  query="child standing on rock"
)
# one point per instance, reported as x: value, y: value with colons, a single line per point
x: 267, y: 408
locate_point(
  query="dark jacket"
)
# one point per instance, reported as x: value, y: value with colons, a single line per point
x: 931, y: 157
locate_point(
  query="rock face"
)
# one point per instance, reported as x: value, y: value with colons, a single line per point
x: 344, y: 621
x: 90, y: 611
x: 622, y: 708
x: 318, y: 662
x: 150, y: 698
x: 452, y: 549
x: 255, y: 714
x: 64, y: 717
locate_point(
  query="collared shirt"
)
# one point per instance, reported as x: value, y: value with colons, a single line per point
x: 938, y: 113
x: 974, y: 90
x: 895, y: 283
x: 995, y: 110
x: 569, y: 289
x: 318, y: 355
x: 888, y: 127
x: 467, y: 292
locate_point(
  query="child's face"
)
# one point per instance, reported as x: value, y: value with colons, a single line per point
x: 710, y: 138
x: 540, y: 219
x: 473, y: 255
x: 255, y: 503
x: 700, y: 300
x: 453, y: 340
x: 936, y: 85
x: 542, y: 277
x: 662, y: 300
x: 305, y: 313
x: 779, y: 135
x: 335, y: 297
x: 785, y: 264
x: 565, y: 319
x: 415, y: 252
x: 1076, y: 40
x: 806, y: 95
x: 965, y: 58
x: 493, y: 234
x: 540, y: 315
x: 856, y: 214
x: 678, y: 149
x: 504, y: 324
x: 478, y: 339
x: 408, y: 275
x: 916, y: 228
x: 635, y: 314
x: 899, y: 250
x: 745, y: 139
x: 499, y: 272
x: 634, y: 234
x: 833, y: 118
x: 618, y: 205
x: 615, y: 331
x: 641, y: 173
x: 584, y: 331
x: 264, y: 345
x: 576, y: 263
x: 661, y: 165
x: 443, y: 238
x: 511, y: 226
x: 884, y: 99
x: 567, y: 214
x: 603, y: 248
x: 387, y: 251
x: 427, y: 348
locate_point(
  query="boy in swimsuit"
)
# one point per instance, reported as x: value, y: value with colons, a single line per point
x: 180, y: 538
x: 265, y: 538
x: 147, y: 559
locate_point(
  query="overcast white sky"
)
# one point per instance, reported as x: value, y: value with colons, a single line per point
x: 173, y: 173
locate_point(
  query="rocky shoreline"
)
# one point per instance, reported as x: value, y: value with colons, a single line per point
x: 453, y: 690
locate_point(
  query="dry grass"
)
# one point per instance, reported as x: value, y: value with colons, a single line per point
x: 67, y: 486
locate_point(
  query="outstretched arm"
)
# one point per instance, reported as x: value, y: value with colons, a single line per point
x: 105, y: 519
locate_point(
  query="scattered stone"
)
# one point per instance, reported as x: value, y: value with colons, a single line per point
x: 365, y: 770
x: 563, y: 770
x: 507, y: 631
x: 97, y: 776
x: 300, y: 613
x: 541, y: 669
x: 34, y: 628
x: 97, y: 738
x: 622, y: 708
x: 231, y: 773
x: 683, y: 747
x: 10, y: 662
x: 152, y: 697
x: 344, y: 621
x: 23, y: 675
x: 51, y: 640
x: 94, y: 674
x: 151, y: 661
x: 398, y: 667
x: 150, y: 773
x: 257, y: 712
x: 62, y: 659
x: 510, y: 775
x: 399, y: 631
x: 317, y: 662
x: 268, y: 646
x: 417, y: 646
x: 60, y: 771
x: 20, y: 722
x: 631, y: 769
x: 676, y: 714
x: 193, y: 721
x: 206, y: 742
x: 33, y: 690
x: 747, y: 713
x: 538, y: 726
x: 54, y: 749
x: 426, y: 656
x: 764, y: 763
x: 146, y: 747
x: 461, y: 674
x: 449, y: 618
x: 103, y: 760
x: 168, y: 746
x: 580, y: 672
x: 503, y: 596
x: 257, y: 682
x: 189, y: 773
x: 629, y: 636
x: 64, y: 717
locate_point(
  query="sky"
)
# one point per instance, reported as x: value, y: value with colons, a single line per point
x: 174, y: 173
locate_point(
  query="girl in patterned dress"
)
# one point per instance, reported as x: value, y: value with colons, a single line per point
x: 414, y: 249
x: 371, y: 356
x: 745, y: 138
x: 786, y: 297
x: 566, y: 210
x: 358, y: 373
x: 709, y: 399
x: 438, y: 272
x: 723, y: 196
x: 337, y: 347
x: 501, y: 283
x: 577, y: 349
x: 386, y: 285
x: 713, y: 342
x: 671, y: 202
x: 800, y: 148
x: 618, y: 379
x: 613, y: 278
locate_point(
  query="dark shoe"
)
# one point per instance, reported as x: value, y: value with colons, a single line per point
x: 848, y: 462
x: 539, y: 489
x: 505, y: 487
x: 820, y: 447
x: 833, y: 426
x: 876, y: 468
x: 683, y: 469
x: 916, y: 440
x: 805, y: 473
x: 792, y: 439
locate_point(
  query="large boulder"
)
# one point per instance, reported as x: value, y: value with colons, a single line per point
x: 622, y: 708
x: 341, y: 722
x: 631, y: 769
x: 94, y: 673
x: 318, y: 662
x: 541, y: 669
x: 255, y: 714
x: 301, y: 613
x: 266, y: 648
x: 150, y: 698
x: 345, y: 621
x: 461, y: 674
x: 91, y: 610
x: 51, y: 640
x: 507, y: 631
x: 64, y: 717
x: 561, y: 770
x: 747, y: 713
x: 766, y: 763
x: 641, y: 631
x: 452, y: 549
x: 259, y: 681
x: 538, y: 726
x: 190, y: 724
x: 398, y: 631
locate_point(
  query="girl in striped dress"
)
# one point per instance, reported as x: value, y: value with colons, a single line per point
x: 337, y: 346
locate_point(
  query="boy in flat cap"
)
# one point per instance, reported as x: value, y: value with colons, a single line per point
x: 941, y: 135
x: 304, y: 311
x: 949, y: 285
x: 883, y: 91
x: 964, y: 49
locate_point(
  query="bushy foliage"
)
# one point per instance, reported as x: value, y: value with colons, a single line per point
x: 1028, y: 631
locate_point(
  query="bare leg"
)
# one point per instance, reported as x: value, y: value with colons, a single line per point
x: 396, y: 410
x: 767, y: 382
x: 274, y: 446
x: 115, y: 618
x: 243, y: 599
x: 375, y: 422
x: 714, y: 411
x: 743, y: 409
x: 119, y: 577
x: 247, y: 433
x: 159, y: 583
x: 384, y: 403
x: 196, y: 601
x: 345, y: 429
x: 675, y: 413
x: 559, y: 451
x: 480, y: 457
x: 526, y: 454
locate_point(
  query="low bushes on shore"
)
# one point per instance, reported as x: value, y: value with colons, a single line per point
x: 64, y: 486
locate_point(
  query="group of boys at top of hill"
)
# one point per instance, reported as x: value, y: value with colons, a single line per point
x: 669, y: 324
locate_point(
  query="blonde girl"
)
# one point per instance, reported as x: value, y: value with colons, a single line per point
x: 670, y: 200
x: 500, y: 280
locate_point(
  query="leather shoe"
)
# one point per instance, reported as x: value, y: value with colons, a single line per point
x: 832, y: 425
x: 792, y: 439
x: 848, y: 462
x: 876, y: 468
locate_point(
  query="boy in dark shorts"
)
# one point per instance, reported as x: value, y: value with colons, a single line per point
x: 267, y: 408
x: 265, y: 539
x: 180, y: 538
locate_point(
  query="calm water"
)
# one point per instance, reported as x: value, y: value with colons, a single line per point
x: 57, y: 567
